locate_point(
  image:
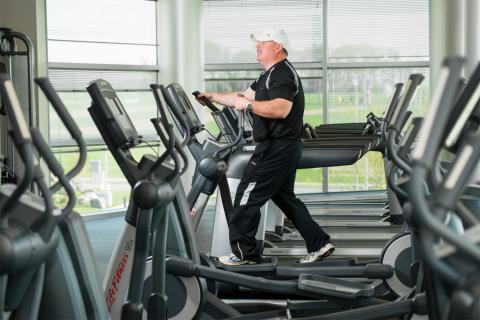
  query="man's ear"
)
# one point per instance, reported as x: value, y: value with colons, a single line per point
x: 279, y: 48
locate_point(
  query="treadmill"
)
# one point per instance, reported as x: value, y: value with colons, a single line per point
x: 354, y: 132
x: 358, y: 230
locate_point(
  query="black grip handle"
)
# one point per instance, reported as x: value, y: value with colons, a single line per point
x: 437, y: 117
x: 46, y: 153
x: 52, y: 96
x: 207, y: 102
x: 181, y: 121
x: 156, y: 89
x: 413, y: 82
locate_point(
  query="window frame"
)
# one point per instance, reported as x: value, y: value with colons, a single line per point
x: 76, y: 66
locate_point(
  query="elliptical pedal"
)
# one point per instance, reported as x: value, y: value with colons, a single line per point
x: 335, y: 287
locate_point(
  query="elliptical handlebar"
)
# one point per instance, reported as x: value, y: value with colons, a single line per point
x: 181, y: 120
x: 52, y: 96
x: 55, y: 167
x: 21, y: 138
x: 46, y: 225
x: 398, y: 118
x: 168, y: 139
x: 400, y: 111
x: 391, y: 108
x: 430, y: 136
x: 220, y: 154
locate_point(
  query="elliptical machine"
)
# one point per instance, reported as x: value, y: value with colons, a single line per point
x: 394, y: 266
x: 450, y: 257
x: 37, y: 259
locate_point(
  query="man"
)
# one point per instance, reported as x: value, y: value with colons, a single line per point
x: 276, y: 101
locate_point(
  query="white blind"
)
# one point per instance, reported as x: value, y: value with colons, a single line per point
x: 78, y: 80
x: 118, y: 21
x: 378, y: 30
x: 229, y: 23
x: 102, y: 31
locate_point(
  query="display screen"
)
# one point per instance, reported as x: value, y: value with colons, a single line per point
x: 114, y: 106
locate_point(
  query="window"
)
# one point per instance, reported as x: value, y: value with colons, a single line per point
x: 104, y: 32
x: 370, y: 45
x: 229, y: 23
x: 377, y: 30
x: 353, y: 93
x: 101, y: 39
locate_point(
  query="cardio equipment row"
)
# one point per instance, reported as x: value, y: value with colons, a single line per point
x: 156, y: 271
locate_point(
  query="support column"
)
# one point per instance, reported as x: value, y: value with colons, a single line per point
x: 472, y: 36
x: 181, y: 52
x: 447, y: 33
x: 167, y: 42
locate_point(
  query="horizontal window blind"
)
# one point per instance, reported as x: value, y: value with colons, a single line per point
x: 101, y: 53
x: 141, y: 107
x: 229, y: 23
x: 75, y: 80
x: 108, y: 21
x: 378, y: 30
x: 102, y: 31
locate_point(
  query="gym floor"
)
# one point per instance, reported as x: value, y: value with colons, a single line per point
x: 104, y: 230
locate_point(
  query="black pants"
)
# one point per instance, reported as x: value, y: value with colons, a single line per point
x: 270, y: 174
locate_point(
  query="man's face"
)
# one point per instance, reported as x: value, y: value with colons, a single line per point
x: 266, y: 51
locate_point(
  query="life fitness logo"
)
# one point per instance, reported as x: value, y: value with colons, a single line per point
x: 111, y: 296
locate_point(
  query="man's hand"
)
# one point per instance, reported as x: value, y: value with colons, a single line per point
x: 225, y: 99
x: 205, y: 95
x: 241, y: 102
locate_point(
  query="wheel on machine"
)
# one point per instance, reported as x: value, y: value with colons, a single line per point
x: 398, y: 254
x: 185, y: 296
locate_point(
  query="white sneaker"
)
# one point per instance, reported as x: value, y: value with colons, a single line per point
x: 318, y: 255
x: 233, y: 260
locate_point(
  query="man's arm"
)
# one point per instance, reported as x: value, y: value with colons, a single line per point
x: 273, y: 109
x: 227, y: 99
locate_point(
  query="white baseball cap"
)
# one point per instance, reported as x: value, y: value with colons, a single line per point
x: 277, y: 35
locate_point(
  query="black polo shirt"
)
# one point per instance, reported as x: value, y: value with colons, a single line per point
x: 280, y: 81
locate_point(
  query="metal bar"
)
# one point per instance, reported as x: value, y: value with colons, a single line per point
x: 319, y: 65
x: 378, y: 65
x: 104, y: 42
x: 101, y: 67
x: 95, y: 142
x: 245, y: 79
x: 13, y: 53
x: 325, y: 82
x: 119, y: 90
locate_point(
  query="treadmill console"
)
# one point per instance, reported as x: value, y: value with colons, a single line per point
x: 112, y: 112
x: 183, y: 105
